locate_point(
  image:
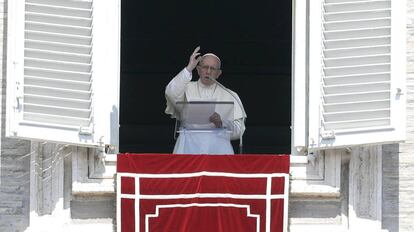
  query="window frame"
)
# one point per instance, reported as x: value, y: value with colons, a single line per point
x: 105, y: 129
x: 306, y: 97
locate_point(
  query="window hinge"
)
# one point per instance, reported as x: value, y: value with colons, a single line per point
x: 17, y: 102
x: 19, y: 95
x: 328, y: 134
x: 86, y: 130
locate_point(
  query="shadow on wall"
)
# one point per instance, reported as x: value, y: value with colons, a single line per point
x: 390, y: 187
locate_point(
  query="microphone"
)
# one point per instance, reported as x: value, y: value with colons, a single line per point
x: 241, y: 107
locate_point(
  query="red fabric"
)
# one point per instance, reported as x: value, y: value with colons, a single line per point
x: 128, y: 215
x: 205, y: 184
x: 278, y: 185
x: 128, y: 185
x: 220, y: 193
x: 167, y: 163
x: 192, y: 218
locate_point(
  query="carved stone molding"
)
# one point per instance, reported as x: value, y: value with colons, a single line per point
x: 92, y: 173
x: 319, y: 178
x: 100, y: 164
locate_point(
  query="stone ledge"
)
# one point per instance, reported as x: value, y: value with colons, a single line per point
x: 313, y: 189
x: 317, y: 227
x: 64, y: 224
x: 92, y: 209
x: 298, y: 159
x: 105, y: 188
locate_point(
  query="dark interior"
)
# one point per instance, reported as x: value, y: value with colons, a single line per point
x: 253, y: 40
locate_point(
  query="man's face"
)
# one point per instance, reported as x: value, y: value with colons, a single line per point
x: 209, y: 66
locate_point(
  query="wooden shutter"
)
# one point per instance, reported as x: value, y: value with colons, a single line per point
x: 357, y: 72
x: 54, y: 72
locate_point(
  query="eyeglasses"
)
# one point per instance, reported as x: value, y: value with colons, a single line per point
x: 206, y: 68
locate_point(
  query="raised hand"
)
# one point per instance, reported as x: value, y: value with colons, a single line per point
x: 194, y: 59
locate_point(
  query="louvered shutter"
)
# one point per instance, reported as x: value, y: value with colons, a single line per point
x: 63, y: 71
x: 356, y: 72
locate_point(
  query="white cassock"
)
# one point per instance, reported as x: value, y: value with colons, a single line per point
x: 181, y: 88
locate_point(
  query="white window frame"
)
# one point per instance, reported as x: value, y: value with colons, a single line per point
x: 306, y: 101
x: 299, y: 77
x: 314, y: 174
x: 106, y: 98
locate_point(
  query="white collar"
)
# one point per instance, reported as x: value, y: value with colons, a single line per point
x: 212, y: 86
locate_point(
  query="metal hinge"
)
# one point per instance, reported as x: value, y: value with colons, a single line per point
x: 86, y: 130
x: 17, y: 102
x: 19, y: 95
x: 328, y: 134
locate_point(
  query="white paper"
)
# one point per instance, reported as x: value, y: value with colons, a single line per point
x: 198, y: 113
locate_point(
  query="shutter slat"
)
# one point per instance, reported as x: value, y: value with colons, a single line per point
x: 58, y: 47
x: 357, y: 33
x: 357, y: 42
x: 357, y: 51
x: 58, y: 56
x: 350, y: 124
x: 59, y: 93
x: 85, y: 4
x: 354, y: 97
x: 58, y: 10
x: 56, y: 101
x: 356, y: 6
x: 356, y: 60
x: 56, y: 83
x: 55, y: 119
x: 58, y: 74
x: 55, y: 110
x: 57, y: 65
x: 58, y: 28
x: 58, y: 19
x: 354, y: 79
x: 356, y: 88
x: 367, y: 14
x: 58, y: 38
x: 360, y: 105
x: 357, y: 115
x: 357, y: 24
x: 357, y: 69
x: 345, y: 1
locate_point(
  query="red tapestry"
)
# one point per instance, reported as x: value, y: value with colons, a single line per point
x: 203, y: 193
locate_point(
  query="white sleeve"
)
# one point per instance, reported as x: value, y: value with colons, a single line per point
x: 175, y: 90
x: 237, y: 129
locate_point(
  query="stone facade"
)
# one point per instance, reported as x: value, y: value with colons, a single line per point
x: 371, y: 186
